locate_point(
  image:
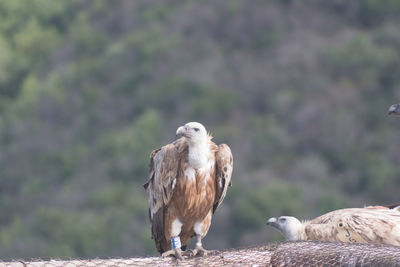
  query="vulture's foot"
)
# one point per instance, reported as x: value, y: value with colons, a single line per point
x: 200, y: 251
x: 177, y: 253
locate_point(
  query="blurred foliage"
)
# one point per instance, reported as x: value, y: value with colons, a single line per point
x: 257, y: 203
x: 298, y: 90
x: 122, y: 148
x: 363, y: 61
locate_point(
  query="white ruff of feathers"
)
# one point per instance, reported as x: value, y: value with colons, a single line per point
x: 198, y: 154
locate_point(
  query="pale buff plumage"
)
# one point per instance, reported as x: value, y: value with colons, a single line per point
x: 374, y: 225
x: 188, y: 180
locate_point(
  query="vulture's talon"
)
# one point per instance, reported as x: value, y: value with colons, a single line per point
x: 200, y: 252
x: 189, y: 253
x: 177, y: 253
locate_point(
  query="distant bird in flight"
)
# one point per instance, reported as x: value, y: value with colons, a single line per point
x: 373, y: 224
x: 188, y: 180
x: 394, y: 109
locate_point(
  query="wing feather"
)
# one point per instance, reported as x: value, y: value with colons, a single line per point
x: 374, y: 226
x: 224, y: 166
x: 366, y: 225
x: 163, y: 172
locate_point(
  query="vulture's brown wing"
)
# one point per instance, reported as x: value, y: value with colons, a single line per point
x: 224, y: 165
x: 365, y: 225
x: 163, y: 172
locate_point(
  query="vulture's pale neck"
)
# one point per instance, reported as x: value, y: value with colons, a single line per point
x: 198, y: 154
x: 299, y: 233
x: 295, y: 230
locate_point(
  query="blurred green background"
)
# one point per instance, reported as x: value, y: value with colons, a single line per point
x: 298, y: 89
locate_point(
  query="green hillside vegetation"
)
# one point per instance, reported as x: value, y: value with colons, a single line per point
x: 298, y: 89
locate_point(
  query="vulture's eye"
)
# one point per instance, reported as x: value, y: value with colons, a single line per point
x: 196, y: 129
x: 282, y: 220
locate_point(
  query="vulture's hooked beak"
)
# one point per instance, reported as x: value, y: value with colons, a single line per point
x: 272, y: 221
x: 181, y: 131
x: 394, y: 109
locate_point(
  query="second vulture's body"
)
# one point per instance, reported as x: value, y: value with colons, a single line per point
x: 374, y: 225
x: 188, y: 181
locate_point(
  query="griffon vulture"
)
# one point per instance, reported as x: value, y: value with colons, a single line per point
x: 374, y: 224
x: 188, y: 180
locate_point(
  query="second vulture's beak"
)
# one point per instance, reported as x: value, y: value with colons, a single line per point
x: 394, y: 109
x: 181, y: 131
x: 272, y: 221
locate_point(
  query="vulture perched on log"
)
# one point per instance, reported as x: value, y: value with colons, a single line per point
x: 373, y: 224
x: 188, y: 180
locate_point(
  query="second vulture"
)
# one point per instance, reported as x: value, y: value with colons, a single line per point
x: 373, y: 225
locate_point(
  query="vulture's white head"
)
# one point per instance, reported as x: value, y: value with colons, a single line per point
x: 394, y: 109
x: 194, y: 133
x: 289, y: 226
x: 197, y: 139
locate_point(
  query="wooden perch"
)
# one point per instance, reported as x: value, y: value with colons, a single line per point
x: 298, y: 253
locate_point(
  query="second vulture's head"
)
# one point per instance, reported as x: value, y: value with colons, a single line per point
x: 193, y: 132
x: 394, y: 109
x: 289, y: 226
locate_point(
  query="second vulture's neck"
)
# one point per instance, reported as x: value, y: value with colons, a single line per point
x: 198, y: 155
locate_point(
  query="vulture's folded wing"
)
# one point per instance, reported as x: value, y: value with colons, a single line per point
x: 379, y: 226
x: 365, y: 225
x: 224, y: 165
x: 163, y: 172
